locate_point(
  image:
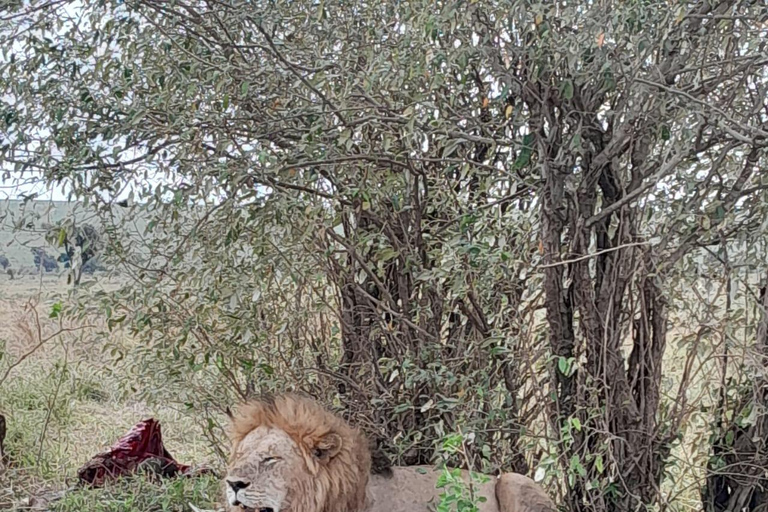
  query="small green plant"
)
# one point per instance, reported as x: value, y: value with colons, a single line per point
x: 458, y: 495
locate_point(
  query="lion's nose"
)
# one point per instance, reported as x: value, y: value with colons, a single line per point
x: 237, y: 485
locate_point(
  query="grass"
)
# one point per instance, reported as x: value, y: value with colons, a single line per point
x: 63, y: 405
x: 141, y: 493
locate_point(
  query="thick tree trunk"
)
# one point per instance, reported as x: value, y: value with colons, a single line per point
x: 390, y: 312
x: 736, y: 479
x: 592, y: 304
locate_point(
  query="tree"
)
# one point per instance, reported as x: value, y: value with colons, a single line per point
x: 82, y: 244
x: 603, y: 175
x: 82, y: 248
x: 43, y: 260
x: 371, y: 201
x: 394, y: 295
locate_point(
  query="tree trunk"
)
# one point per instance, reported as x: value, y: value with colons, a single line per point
x: 736, y: 479
x: 2, y: 441
x: 390, y: 312
x: 592, y: 303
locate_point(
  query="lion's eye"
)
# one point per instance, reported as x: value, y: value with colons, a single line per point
x: 269, y: 460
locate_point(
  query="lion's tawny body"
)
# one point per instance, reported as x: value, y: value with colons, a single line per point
x: 412, y: 489
x: 289, y: 454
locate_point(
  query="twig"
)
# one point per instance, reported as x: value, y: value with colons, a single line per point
x: 651, y: 181
x: 51, y: 403
x: 598, y: 253
x: 752, y: 130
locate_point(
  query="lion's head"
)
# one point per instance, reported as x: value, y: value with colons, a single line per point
x: 289, y: 454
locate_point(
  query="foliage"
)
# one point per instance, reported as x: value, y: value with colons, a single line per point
x: 622, y: 184
x: 458, y: 495
x: 739, y: 429
x: 373, y: 201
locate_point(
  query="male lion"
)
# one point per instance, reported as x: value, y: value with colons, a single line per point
x: 289, y: 454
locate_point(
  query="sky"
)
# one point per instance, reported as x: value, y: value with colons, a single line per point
x: 18, y: 184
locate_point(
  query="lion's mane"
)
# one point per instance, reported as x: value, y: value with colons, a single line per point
x: 339, y: 484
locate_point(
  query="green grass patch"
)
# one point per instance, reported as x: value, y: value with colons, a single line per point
x: 140, y: 494
x: 41, y: 402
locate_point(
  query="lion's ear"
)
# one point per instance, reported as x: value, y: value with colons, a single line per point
x: 327, y: 447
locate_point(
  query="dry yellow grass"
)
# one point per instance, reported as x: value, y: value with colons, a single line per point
x: 62, y: 407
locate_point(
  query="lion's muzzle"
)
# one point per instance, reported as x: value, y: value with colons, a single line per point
x: 238, y: 496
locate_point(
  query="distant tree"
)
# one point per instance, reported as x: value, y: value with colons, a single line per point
x: 92, y: 265
x: 82, y: 245
x: 64, y: 259
x: 41, y: 257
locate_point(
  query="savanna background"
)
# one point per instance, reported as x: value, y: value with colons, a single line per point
x: 537, y: 228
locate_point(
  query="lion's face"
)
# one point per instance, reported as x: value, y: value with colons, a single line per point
x: 265, y: 467
x: 291, y: 455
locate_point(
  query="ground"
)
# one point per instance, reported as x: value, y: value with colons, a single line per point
x: 63, y: 407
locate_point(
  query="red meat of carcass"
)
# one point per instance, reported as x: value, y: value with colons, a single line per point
x: 142, y: 443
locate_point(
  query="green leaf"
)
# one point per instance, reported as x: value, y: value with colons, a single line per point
x: 576, y: 466
x: 719, y: 213
x: 387, y: 254
x: 55, y: 310
x: 576, y: 423
x: 525, y: 152
x: 576, y: 141
x: 568, y: 90
x: 112, y: 322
